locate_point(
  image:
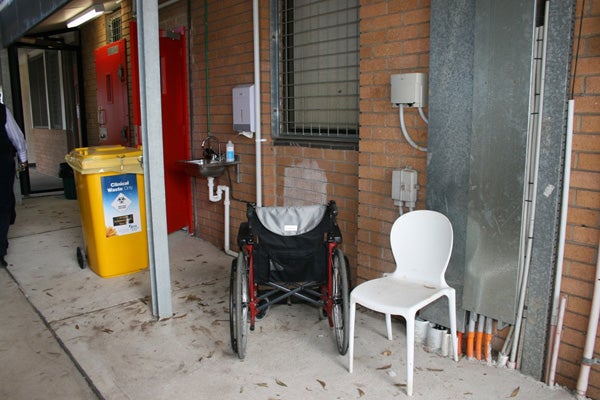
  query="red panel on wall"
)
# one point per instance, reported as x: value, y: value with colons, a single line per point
x: 176, y: 141
x: 111, y: 92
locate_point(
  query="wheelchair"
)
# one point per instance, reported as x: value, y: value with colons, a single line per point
x: 288, y: 253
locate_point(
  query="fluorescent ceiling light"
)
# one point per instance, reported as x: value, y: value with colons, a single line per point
x: 91, y: 13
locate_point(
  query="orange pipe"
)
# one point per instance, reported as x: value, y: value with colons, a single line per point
x: 478, y: 343
x: 479, y: 337
x: 459, y: 335
x: 470, y: 344
x: 471, y: 335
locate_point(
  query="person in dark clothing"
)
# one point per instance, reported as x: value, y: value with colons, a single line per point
x: 12, y: 142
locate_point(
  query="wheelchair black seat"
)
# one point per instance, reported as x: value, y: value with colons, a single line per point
x: 290, y: 243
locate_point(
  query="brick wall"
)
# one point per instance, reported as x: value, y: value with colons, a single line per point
x: 228, y: 61
x: 51, y: 145
x: 583, y: 229
x: 290, y: 175
x: 394, y: 39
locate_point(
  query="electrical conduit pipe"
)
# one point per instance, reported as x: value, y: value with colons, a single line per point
x: 590, y: 338
x: 214, y: 197
x: 556, y: 340
x: 405, y: 133
x: 562, y: 230
x: 258, y: 137
x: 523, y: 289
x: 487, y: 341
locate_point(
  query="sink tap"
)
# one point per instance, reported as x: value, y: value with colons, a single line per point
x: 209, y: 152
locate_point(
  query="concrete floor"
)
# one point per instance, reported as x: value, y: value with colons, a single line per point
x: 69, y: 334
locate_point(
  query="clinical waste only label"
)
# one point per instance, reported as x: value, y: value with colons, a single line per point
x: 121, y: 204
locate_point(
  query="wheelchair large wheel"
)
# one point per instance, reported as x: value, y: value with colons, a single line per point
x: 241, y: 304
x: 232, y: 306
x: 340, y: 307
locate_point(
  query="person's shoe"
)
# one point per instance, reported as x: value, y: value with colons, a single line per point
x: 3, y: 262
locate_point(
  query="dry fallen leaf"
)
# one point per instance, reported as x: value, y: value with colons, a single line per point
x: 360, y: 393
x: 515, y: 392
x: 107, y: 330
x: 323, y: 384
x: 385, y: 367
x: 387, y: 353
x: 262, y: 384
x: 435, y: 369
x: 280, y: 383
x: 400, y: 385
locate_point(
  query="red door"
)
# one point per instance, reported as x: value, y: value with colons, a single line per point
x: 176, y: 142
x: 111, y: 92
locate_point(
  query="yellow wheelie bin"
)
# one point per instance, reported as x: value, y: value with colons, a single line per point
x: 110, y: 189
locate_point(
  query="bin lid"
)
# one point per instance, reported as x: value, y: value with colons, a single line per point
x: 110, y: 158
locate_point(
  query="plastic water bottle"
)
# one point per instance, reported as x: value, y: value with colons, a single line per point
x: 229, y: 154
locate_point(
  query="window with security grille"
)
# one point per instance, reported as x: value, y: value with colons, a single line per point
x: 113, y: 27
x: 37, y: 88
x: 45, y: 86
x: 315, y: 61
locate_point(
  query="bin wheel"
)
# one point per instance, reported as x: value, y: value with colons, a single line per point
x: 340, y: 308
x: 81, y: 259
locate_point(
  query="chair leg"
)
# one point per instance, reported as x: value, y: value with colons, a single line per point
x: 351, y: 336
x: 410, y: 352
x: 452, y: 314
x: 388, y: 325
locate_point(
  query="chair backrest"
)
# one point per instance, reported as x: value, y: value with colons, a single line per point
x: 422, y: 245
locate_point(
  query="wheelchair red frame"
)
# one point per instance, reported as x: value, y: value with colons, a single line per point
x: 248, y: 304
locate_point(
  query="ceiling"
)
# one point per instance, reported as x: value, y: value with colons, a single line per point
x: 58, y: 20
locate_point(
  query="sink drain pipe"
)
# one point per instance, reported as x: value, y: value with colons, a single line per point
x: 214, y: 197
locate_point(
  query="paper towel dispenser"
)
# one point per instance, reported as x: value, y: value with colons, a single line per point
x: 243, y: 108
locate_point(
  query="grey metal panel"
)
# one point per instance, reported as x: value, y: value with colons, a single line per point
x: 20, y: 16
x: 543, y: 259
x: 449, y: 137
x: 501, y: 92
x: 154, y: 176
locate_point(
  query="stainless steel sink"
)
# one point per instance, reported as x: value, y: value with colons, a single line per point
x: 203, y: 167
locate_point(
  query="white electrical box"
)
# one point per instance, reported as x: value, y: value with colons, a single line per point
x: 404, y: 187
x: 409, y: 89
x: 243, y: 108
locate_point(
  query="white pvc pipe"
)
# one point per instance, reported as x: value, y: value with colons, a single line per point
x: 524, y: 281
x: 214, y: 197
x: 423, y: 117
x: 257, y: 104
x: 556, y: 340
x: 563, y: 220
x: 405, y: 133
x: 590, y: 338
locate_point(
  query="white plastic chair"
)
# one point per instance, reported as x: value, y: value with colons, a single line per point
x: 422, y: 244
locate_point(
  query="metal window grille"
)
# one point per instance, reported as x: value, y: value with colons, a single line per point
x: 37, y: 89
x: 54, y: 83
x: 113, y: 28
x: 46, y: 89
x: 316, y: 43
